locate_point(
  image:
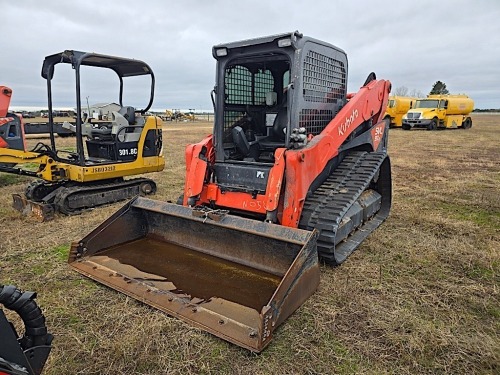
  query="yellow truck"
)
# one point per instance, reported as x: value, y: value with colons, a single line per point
x: 440, y: 111
x: 396, y: 108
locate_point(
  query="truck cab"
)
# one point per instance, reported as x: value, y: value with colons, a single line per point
x: 440, y: 111
x: 396, y: 108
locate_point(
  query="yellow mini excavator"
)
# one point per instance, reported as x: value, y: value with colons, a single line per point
x: 91, y: 174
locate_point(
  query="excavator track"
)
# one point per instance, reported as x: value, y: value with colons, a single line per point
x: 43, y: 200
x: 37, y: 190
x: 75, y: 199
x: 352, y: 202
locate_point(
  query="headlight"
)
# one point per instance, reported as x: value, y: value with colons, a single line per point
x: 285, y: 42
x: 221, y: 52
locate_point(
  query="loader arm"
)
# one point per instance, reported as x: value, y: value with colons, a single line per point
x: 305, y: 165
x: 11, y: 125
x: 198, y: 157
x: 5, y: 95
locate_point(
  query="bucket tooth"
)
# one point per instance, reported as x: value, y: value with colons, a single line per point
x: 234, y: 277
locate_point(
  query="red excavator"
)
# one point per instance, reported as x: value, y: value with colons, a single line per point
x: 295, y: 167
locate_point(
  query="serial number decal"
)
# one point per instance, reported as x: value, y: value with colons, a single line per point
x: 127, y: 151
x: 107, y: 168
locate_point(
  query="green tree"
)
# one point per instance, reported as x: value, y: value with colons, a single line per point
x: 439, y: 88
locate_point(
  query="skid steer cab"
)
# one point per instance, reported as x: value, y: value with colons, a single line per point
x: 109, y: 145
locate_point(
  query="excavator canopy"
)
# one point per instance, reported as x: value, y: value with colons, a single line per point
x: 123, y: 67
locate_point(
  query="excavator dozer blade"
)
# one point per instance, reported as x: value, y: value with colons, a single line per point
x: 39, y: 210
x: 236, y: 278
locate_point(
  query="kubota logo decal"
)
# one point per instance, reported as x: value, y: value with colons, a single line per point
x: 348, y: 122
x: 260, y: 174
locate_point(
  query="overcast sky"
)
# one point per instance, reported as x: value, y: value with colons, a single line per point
x: 411, y: 43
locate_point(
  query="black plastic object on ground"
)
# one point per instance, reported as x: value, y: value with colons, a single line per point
x: 26, y: 354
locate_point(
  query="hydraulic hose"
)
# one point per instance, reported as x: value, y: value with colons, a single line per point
x: 34, y: 321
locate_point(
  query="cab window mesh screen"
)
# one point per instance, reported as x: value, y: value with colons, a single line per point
x: 324, y: 78
x: 238, y: 86
x: 264, y: 83
x: 243, y: 88
x: 314, y: 120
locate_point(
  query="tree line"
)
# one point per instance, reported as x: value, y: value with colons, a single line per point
x: 438, y: 88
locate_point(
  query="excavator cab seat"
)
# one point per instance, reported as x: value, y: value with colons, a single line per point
x: 124, y: 132
x: 120, y: 119
x: 119, y: 126
x: 125, y: 125
x: 129, y: 114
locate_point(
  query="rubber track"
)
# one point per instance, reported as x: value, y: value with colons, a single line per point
x: 326, y: 207
x: 75, y: 199
x: 38, y: 190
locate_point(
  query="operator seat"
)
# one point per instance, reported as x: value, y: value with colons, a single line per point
x: 245, y: 146
x: 279, y: 125
x: 123, y: 129
x: 277, y: 135
x: 120, y: 124
x: 120, y: 119
x: 129, y: 114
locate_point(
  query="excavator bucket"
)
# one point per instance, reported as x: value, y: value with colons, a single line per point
x: 234, y: 277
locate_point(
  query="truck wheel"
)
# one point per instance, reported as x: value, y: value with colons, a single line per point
x: 406, y: 127
x: 467, y: 123
x: 432, y: 125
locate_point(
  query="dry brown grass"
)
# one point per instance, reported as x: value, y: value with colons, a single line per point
x: 421, y: 295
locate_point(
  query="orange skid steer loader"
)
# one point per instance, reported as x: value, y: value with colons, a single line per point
x: 295, y: 168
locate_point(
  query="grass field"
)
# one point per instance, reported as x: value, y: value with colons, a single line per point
x: 420, y: 296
